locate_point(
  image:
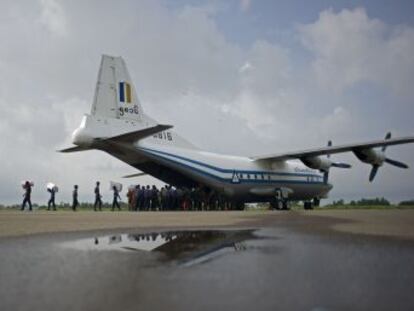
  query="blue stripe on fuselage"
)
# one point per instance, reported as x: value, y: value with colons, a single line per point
x: 160, y: 154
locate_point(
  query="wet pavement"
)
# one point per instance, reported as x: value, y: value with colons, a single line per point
x: 276, y: 268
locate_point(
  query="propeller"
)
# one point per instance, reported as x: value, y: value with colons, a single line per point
x: 373, y: 172
x: 333, y: 164
x: 396, y: 163
x: 337, y: 164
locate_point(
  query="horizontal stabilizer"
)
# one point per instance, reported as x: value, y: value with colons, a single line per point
x: 140, y: 134
x: 74, y: 149
x: 134, y: 175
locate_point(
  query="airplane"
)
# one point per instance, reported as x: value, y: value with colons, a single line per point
x: 118, y: 126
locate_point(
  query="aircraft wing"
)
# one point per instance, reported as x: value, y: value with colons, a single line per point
x: 334, y: 149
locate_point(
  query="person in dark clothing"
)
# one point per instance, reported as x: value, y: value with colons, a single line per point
x: 140, y: 197
x: 163, y: 197
x: 169, y: 198
x: 27, y: 194
x: 197, y: 199
x: 75, y: 201
x: 147, y: 198
x: 154, y: 198
x: 179, y: 194
x: 52, y: 199
x: 137, y: 192
x: 116, y: 197
x: 98, y: 198
x: 174, y: 199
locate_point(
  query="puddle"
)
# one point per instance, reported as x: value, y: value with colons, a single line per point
x: 186, y: 247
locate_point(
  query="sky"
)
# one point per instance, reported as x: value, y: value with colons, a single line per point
x: 237, y: 77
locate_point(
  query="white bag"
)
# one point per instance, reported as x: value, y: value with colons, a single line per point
x: 51, y: 186
x: 117, y: 185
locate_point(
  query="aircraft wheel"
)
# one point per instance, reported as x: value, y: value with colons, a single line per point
x: 239, y: 206
x: 273, y: 205
x: 307, y: 205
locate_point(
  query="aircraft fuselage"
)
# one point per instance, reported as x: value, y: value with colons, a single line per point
x: 237, y: 177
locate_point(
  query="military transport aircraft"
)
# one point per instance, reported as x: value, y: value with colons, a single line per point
x: 118, y: 125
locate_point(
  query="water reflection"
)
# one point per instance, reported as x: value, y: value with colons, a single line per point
x: 186, y: 246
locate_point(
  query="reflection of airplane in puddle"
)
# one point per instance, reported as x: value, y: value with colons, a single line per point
x: 189, y: 247
x: 133, y: 242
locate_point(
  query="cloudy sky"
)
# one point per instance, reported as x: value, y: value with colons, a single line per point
x: 238, y: 77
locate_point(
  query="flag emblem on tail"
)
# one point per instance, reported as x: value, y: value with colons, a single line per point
x: 125, y: 92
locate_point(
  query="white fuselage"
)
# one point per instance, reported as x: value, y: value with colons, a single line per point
x: 236, y: 176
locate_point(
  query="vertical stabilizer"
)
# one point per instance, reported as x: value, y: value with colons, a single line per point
x: 115, y: 95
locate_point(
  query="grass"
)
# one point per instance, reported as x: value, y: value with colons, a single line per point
x: 373, y: 207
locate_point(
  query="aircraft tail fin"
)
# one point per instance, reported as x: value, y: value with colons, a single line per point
x: 115, y: 94
x: 116, y: 98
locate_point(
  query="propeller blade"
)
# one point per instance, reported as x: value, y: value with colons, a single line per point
x: 388, y: 136
x: 325, y: 177
x: 396, y: 163
x: 373, y: 172
x: 341, y: 165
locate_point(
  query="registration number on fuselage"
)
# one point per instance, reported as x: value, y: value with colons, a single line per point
x: 164, y: 135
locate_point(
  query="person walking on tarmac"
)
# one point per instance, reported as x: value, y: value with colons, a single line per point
x: 116, y: 197
x: 26, y: 196
x: 51, y: 201
x: 75, y: 201
x: 98, y: 198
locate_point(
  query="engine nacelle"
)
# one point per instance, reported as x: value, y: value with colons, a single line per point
x: 370, y: 156
x: 317, y: 163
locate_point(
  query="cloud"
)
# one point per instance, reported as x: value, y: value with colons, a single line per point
x: 53, y: 17
x: 351, y: 48
x: 245, y: 5
x: 246, y: 67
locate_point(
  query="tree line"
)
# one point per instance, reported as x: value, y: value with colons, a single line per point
x: 370, y: 202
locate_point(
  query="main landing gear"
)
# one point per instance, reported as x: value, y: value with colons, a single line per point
x: 280, y: 200
x: 279, y: 204
x: 308, y: 205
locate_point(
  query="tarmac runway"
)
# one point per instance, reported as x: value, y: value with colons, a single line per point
x: 269, y: 261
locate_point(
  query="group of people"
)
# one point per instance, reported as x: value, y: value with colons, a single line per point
x: 27, y: 186
x: 27, y: 200
x: 144, y: 198
x: 169, y: 198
